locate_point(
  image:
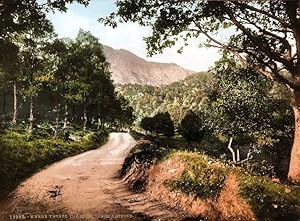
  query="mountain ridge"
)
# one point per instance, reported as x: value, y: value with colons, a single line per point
x: 128, y: 68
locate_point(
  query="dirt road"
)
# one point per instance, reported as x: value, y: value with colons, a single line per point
x: 83, y: 187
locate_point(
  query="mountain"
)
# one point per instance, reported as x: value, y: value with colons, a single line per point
x: 128, y: 68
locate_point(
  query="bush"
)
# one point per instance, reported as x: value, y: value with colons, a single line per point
x: 202, y: 176
x: 270, y: 201
x: 191, y: 127
x: 259, y: 168
x: 161, y: 123
x: 143, y: 152
x: 147, y: 124
x: 98, y: 137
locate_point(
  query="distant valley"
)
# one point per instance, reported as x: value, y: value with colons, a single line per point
x: 128, y: 68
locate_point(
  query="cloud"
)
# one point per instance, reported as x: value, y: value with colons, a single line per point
x: 128, y: 36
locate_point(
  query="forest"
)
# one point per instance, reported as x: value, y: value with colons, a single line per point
x: 57, y: 100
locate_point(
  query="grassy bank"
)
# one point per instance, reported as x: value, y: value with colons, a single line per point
x: 22, y: 154
x: 204, y: 176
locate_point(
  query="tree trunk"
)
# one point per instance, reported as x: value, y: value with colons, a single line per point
x: 231, y: 150
x: 15, y: 111
x: 238, y: 158
x: 4, y: 104
x: 294, y: 169
x: 57, y: 125
x: 84, y: 117
x: 30, y: 119
x: 66, y: 117
x: 99, y: 123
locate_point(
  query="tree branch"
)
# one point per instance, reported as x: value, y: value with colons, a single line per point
x: 274, y: 75
x: 252, y: 8
x: 258, y: 44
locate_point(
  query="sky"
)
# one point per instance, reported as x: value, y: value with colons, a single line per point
x: 127, y: 36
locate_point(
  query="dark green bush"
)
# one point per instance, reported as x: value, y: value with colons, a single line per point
x: 161, y: 123
x: 191, y: 127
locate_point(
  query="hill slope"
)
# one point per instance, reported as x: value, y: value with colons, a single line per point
x: 127, y: 68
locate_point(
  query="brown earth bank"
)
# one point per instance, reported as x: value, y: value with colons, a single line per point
x: 227, y: 206
x: 85, y: 187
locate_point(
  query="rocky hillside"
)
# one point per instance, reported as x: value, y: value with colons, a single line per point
x: 127, y: 68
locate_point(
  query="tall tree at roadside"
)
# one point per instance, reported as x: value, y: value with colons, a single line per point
x: 265, y: 35
x: 19, y: 17
x: 84, y: 78
x: 33, y: 66
x: 10, y: 65
x: 240, y: 106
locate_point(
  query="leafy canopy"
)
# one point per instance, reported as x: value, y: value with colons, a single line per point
x: 261, y: 33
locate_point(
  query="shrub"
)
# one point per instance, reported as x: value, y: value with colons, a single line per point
x: 202, y: 176
x: 143, y: 152
x: 270, y: 201
x: 259, y: 168
x: 191, y: 127
x: 98, y: 137
x: 147, y: 124
x: 163, y: 124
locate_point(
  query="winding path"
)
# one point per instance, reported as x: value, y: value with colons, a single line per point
x: 82, y: 187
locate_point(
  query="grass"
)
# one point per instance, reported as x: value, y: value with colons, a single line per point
x: 204, y: 177
x: 270, y: 201
x: 22, y: 154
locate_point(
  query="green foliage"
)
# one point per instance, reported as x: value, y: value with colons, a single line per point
x: 176, y: 99
x: 147, y: 124
x: 270, y: 201
x: 161, y: 123
x: 240, y: 104
x: 191, y: 127
x: 259, y: 168
x: 22, y: 154
x: 98, y: 137
x: 24, y: 16
x: 143, y: 153
x: 203, y: 176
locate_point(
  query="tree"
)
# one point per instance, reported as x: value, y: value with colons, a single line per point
x: 240, y: 107
x: 10, y: 64
x: 84, y: 79
x: 163, y: 124
x: 20, y: 17
x: 191, y: 127
x: 33, y: 66
x: 147, y: 124
x: 263, y: 35
x: 29, y: 15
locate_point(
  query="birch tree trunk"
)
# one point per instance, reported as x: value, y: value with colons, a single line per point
x: 15, y: 108
x: 30, y: 119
